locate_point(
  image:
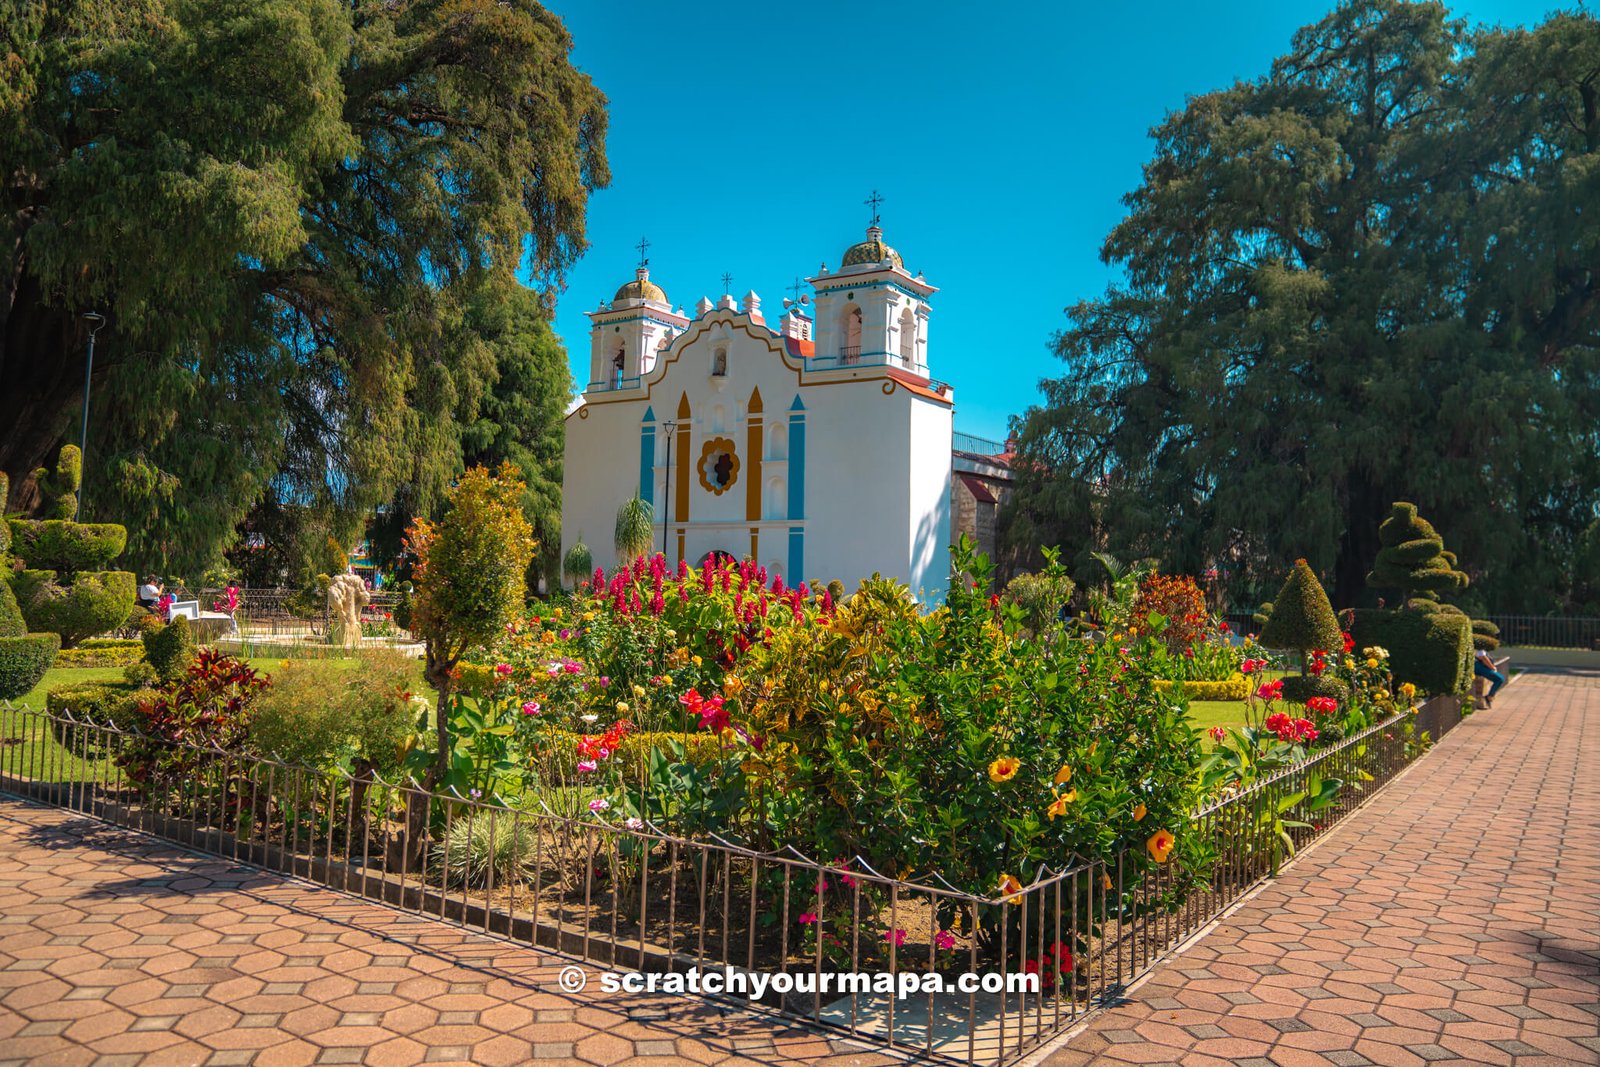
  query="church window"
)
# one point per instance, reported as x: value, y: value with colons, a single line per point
x: 719, y: 466
x: 777, y: 498
x: 617, y: 361
x: 850, y: 350
x: 778, y: 442
x: 908, y: 337
x: 719, y: 363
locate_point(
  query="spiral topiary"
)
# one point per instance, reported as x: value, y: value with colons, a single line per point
x: 1413, y: 559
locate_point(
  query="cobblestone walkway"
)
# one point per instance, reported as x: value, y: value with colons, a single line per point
x: 118, y: 950
x: 1455, y: 919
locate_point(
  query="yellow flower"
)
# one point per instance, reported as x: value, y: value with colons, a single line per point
x: 1160, y: 845
x: 1407, y: 690
x: 1009, y: 887
x: 695, y: 660
x: 1372, y: 663
x: 1139, y: 811
x: 622, y: 707
x: 638, y: 690
x: 588, y: 616
x: 1060, y: 805
x: 733, y: 686
x: 1064, y: 775
x: 1349, y: 663
x: 556, y: 614
x: 284, y: 664
x: 1004, y: 769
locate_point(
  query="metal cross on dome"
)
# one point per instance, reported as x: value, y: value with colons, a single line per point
x: 727, y: 284
x: 643, y: 246
x: 794, y: 289
x: 873, y: 201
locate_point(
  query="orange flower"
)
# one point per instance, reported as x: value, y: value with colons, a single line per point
x: 1105, y: 881
x: 1138, y: 812
x: 1060, y: 805
x: 1064, y: 775
x: 1160, y: 845
x: 1009, y: 887
x: 1004, y: 769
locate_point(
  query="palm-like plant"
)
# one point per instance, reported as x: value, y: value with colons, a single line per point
x: 635, y: 528
x: 578, y: 562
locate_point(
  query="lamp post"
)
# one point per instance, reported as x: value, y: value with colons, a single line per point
x: 95, y: 321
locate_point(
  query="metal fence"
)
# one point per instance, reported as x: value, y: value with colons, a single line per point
x: 1549, y: 631
x: 291, y: 622
x: 632, y: 897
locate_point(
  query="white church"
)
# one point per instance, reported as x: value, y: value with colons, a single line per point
x: 819, y: 446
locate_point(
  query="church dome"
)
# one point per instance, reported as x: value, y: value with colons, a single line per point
x: 642, y: 288
x: 872, y: 250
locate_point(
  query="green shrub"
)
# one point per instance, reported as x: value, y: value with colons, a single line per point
x: 476, y: 844
x: 633, y: 754
x: 1413, y: 559
x: 1431, y: 650
x: 140, y: 674
x: 1485, y: 635
x: 23, y: 661
x: 96, y: 602
x: 170, y: 648
x: 60, y: 486
x: 1299, y: 689
x: 11, y: 624
x: 1302, y: 619
x: 67, y: 547
x: 1040, y: 597
x: 1262, y: 614
x: 100, y: 657
x: 103, y: 703
x: 324, y: 714
x: 1235, y: 688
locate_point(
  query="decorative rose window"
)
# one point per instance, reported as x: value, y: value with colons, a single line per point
x: 719, y: 465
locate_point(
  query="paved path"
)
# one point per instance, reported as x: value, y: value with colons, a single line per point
x: 1455, y: 919
x: 116, y: 949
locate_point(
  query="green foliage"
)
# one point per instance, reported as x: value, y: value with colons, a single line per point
x: 1347, y: 279
x: 578, y: 563
x: 170, y: 649
x: 1431, y: 650
x: 95, y: 602
x: 11, y: 624
x: 1235, y: 688
x: 103, y: 703
x: 1485, y: 635
x: 1413, y: 559
x: 479, y: 848
x: 1302, y: 619
x: 67, y: 547
x: 322, y: 714
x: 1262, y: 614
x: 113, y: 656
x: 1298, y: 689
x: 23, y: 661
x: 326, y: 187
x: 1040, y: 597
x: 59, y: 487
x: 634, y: 532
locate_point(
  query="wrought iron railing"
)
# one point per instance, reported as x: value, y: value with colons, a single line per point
x: 1549, y: 631
x: 634, y: 897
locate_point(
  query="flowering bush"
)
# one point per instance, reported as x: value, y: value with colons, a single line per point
x: 208, y: 706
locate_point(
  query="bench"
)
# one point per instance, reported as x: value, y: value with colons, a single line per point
x: 1480, y: 686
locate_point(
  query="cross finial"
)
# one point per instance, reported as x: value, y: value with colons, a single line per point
x: 794, y: 290
x: 643, y: 246
x: 873, y: 201
x: 727, y: 284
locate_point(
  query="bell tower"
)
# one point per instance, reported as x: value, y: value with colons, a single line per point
x: 871, y: 311
x: 627, y: 335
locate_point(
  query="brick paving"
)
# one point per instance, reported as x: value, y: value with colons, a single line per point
x: 1454, y: 920
x: 116, y: 949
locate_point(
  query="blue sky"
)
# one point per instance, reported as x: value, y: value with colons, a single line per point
x: 745, y: 137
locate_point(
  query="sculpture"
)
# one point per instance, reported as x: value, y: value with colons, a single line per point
x: 347, y: 595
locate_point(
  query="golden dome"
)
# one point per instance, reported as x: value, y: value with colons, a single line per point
x: 642, y: 288
x: 872, y: 250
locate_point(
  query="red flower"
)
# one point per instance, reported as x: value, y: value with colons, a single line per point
x: 1270, y: 691
x: 1349, y: 643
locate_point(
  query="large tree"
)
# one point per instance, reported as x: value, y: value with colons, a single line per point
x: 288, y: 210
x: 1372, y: 274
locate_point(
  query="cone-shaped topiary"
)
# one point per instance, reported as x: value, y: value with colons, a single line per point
x: 1485, y: 635
x: 1302, y: 619
x: 1413, y: 558
x: 60, y: 486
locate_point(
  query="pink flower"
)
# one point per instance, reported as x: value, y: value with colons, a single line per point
x: 1217, y: 733
x: 895, y: 936
x: 502, y: 669
x: 572, y: 668
x: 944, y: 939
x: 530, y: 708
x: 586, y: 766
x: 807, y: 918
x: 599, y: 804
x: 633, y: 822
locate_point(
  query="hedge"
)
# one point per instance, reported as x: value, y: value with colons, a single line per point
x: 11, y: 624
x: 170, y: 648
x: 67, y: 547
x: 86, y: 656
x: 105, y: 703
x: 1235, y: 688
x: 1431, y: 650
x: 1298, y: 689
x: 94, y: 603
x: 23, y: 661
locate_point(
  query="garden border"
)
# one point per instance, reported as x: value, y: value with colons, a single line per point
x: 1142, y: 918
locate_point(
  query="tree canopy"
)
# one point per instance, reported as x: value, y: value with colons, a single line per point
x: 298, y: 216
x: 1368, y: 275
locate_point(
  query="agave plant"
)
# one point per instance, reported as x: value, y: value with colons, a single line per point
x: 635, y: 528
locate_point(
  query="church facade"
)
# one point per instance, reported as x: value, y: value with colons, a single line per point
x: 818, y: 445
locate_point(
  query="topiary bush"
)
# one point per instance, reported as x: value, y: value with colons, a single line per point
x: 95, y: 602
x: 1431, y: 650
x: 60, y: 486
x: 23, y: 661
x: 67, y: 547
x: 1300, y: 688
x: 170, y: 649
x: 11, y: 624
x: 1485, y: 635
x: 1302, y: 619
x: 1413, y: 559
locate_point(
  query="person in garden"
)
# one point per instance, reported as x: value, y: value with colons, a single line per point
x: 1483, y: 667
x: 150, y: 593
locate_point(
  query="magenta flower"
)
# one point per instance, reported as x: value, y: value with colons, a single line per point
x: 895, y: 936
x: 599, y: 804
x: 530, y: 708
x: 586, y: 766
x: 502, y: 669
x: 807, y: 918
x: 944, y: 939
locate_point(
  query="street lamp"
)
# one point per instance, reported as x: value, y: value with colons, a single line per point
x: 95, y: 321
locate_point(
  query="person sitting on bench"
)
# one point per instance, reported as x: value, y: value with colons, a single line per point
x: 1483, y: 667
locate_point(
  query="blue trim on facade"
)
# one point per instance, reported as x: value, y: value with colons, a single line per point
x: 797, y: 554
x: 647, y: 458
x: 797, y: 460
